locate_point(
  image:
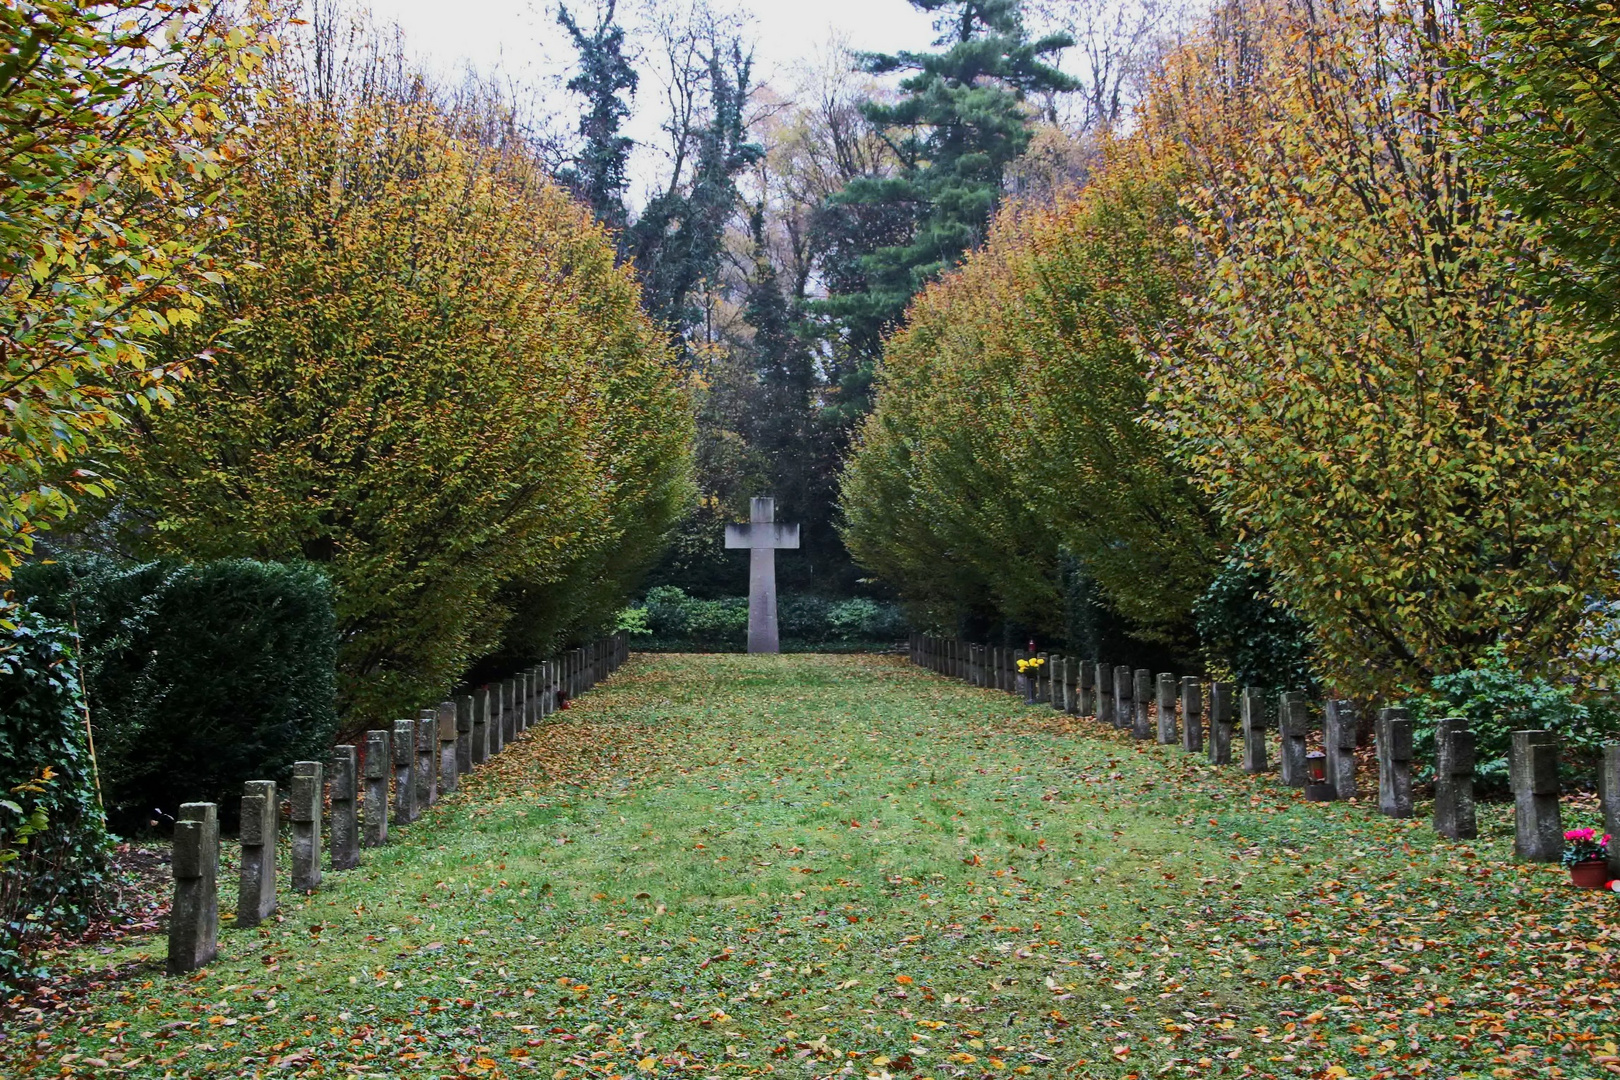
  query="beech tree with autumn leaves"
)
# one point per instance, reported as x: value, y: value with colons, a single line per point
x: 115, y: 153
x: 428, y: 375
x: 1355, y: 375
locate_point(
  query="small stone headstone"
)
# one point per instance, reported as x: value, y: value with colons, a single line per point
x: 1102, y: 684
x: 1533, y: 775
x: 1085, y: 697
x: 497, y: 718
x: 1609, y: 790
x: 1393, y: 739
x: 1142, y: 701
x: 445, y: 729
x: 1293, y: 728
x: 256, y: 900
x: 1254, y: 730
x: 308, y: 791
x: 344, y: 844
x: 464, y: 736
x: 379, y: 769
x: 194, y: 915
x: 1454, y: 780
x: 1220, y: 723
x: 427, y: 770
x: 480, y: 728
x: 1340, y: 725
x: 404, y: 772
x: 1166, y: 711
x: 1124, y: 706
x: 1192, y: 714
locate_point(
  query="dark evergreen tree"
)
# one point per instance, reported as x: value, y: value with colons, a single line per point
x: 605, y: 73
x: 788, y: 431
x: 962, y: 118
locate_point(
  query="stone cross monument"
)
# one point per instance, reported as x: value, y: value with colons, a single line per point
x: 762, y: 536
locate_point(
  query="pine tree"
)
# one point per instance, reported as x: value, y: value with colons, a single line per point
x: 598, y: 176
x: 962, y: 118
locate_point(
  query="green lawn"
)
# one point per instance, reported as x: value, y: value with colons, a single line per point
x: 816, y: 866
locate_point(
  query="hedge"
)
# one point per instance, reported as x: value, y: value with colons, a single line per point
x: 200, y: 676
x: 668, y: 620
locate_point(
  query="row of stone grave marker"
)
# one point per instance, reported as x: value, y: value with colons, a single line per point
x: 1170, y: 710
x: 423, y: 759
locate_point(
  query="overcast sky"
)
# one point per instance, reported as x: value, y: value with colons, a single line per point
x: 522, y: 36
x: 520, y: 41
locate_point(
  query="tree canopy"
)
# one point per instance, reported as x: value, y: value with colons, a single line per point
x: 429, y: 376
x: 114, y: 154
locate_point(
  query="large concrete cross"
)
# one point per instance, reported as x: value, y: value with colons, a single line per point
x: 762, y: 536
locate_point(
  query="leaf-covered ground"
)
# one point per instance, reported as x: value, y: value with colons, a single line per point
x: 817, y: 866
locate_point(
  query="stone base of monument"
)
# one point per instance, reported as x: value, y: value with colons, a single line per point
x: 1322, y: 792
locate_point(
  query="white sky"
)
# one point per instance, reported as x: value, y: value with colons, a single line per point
x: 521, y: 42
x: 522, y: 38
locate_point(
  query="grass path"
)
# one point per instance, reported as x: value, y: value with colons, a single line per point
x: 816, y: 866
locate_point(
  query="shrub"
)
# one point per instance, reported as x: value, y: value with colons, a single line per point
x: 676, y: 621
x: 1244, y: 629
x: 53, y: 843
x: 199, y: 676
x: 1497, y: 699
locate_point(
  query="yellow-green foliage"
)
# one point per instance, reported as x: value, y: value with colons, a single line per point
x: 431, y: 378
x: 1007, y: 427
x: 113, y: 147
x: 1422, y: 450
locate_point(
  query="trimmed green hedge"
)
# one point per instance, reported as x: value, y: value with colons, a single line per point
x: 53, y: 842
x: 668, y: 620
x: 199, y: 676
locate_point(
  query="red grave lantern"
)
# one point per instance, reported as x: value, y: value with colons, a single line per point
x: 1317, y: 789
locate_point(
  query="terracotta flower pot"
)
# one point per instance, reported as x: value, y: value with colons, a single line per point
x: 1591, y: 874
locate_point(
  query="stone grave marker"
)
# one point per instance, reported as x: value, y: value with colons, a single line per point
x: 1166, y: 712
x: 1254, y: 730
x: 1340, y: 725
x: 344, y: 844
x: 404, y: 752
x: 464, y: 735
x: 1394, y: 745
x: 1192, y: 714
x: 1220, y: 723
x: 1454, y: 780
x: 496, y: 725
x: 1293, y: 727
x: 763, y: 537
x: 480, y: 728
x: 445, y: 727
x: 379, y: 768
x: 1538, y: 833
x: 1609, y: 791
x: 256, y: 899
x: 194, y: 915
x: 1138, y: 696
x: 427, y: 772
x: 308, y: 787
